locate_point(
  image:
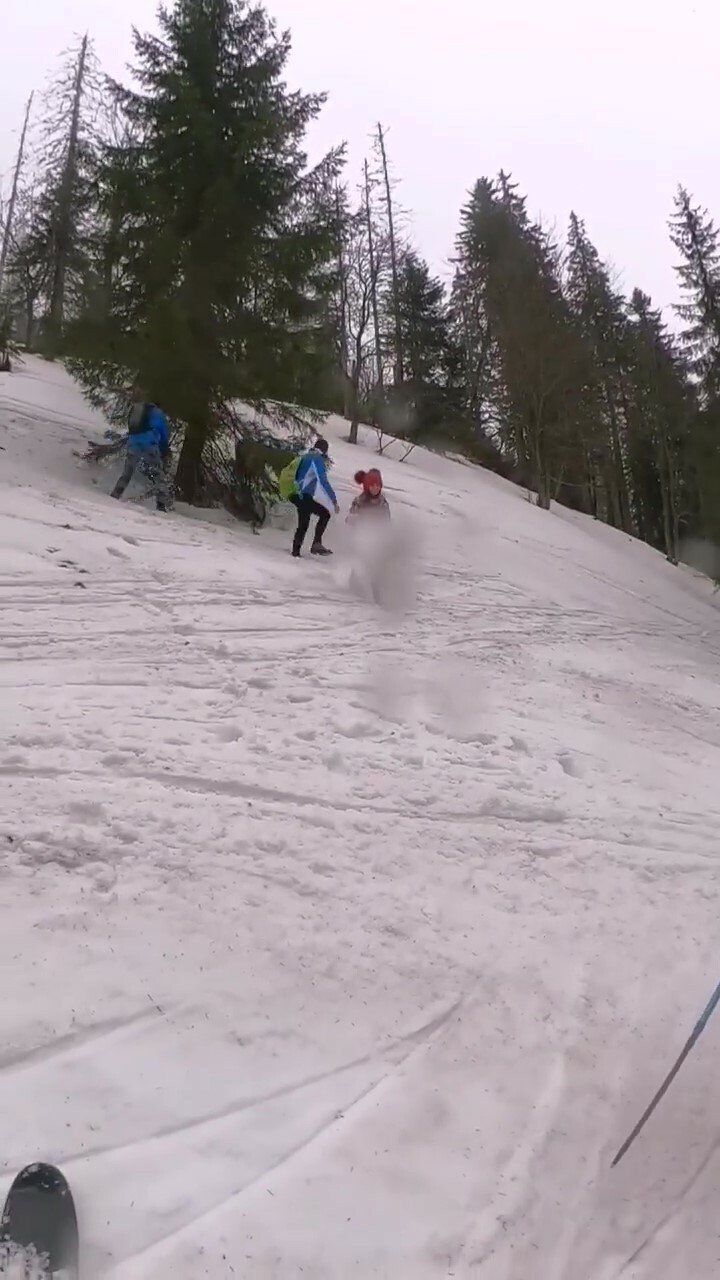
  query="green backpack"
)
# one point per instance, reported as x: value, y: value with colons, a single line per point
x: 286, y: 480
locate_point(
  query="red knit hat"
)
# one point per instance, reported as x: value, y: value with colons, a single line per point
x: 369, y: 479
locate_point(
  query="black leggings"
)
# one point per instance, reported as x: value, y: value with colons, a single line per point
x: 306, y: 508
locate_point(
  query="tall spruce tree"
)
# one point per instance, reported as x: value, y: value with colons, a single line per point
x: 695, y: 236
x: 474, y: 370
x: 543, y: 362
x: 599, y: 309
x: 665, y: 407
x: 415, y: 308
x: 222, y: 237
x: 55, y: 245
x: 697, y: 239
x: 423, y: 321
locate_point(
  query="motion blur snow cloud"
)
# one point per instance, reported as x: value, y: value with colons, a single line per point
x: 386, y: 562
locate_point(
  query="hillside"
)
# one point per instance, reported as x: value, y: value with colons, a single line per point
x: 348, y: 942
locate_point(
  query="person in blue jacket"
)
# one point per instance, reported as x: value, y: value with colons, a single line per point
x: 148, y: 440
x: 314, y: 496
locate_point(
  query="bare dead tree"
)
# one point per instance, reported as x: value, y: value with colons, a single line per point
x: 12, y: 203
x: 362, y: 270
x: 342, y: 307
x: 62, y: 230
x: 63, y: 165
x: 360, y: 287
x: 372, y: 261
x: 398, y: 372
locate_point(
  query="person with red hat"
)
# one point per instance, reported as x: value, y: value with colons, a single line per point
x: 369, y: 512
x: 372, y: 499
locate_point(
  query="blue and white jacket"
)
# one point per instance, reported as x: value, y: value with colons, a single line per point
x: 311, y: 479
x: 155, y: 436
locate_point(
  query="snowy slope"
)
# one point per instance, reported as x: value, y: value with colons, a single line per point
x: 338, y: 942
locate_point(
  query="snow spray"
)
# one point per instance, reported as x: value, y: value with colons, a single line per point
x: 384, y: 560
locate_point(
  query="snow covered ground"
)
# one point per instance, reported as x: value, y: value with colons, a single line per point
x: 340, y: 942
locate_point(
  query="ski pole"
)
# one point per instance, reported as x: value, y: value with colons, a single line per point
x: 698, y: 1029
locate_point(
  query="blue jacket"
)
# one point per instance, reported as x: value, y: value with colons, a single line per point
x: 311, y: 479
x: 155, y: 436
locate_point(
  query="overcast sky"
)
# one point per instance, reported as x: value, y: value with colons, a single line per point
x: 598, y: 105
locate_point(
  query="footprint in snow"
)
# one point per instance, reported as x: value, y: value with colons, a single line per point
x: 86, y: 810
x: 259, y: 682
x: 570, y: 765
x: 358, y: 729
x: 70, y: 564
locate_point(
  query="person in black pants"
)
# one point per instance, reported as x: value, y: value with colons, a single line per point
x: 315, y: 496
x: 306, y: 508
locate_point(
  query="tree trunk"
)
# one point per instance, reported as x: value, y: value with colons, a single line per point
x: 615, y: 512
x: 7, y: 234
x: 591, y: 486
x: 355, y: 402
x: 29, y: 322
x: 667, y: 523
x: 618, y: 486
x: 633, y: 515
x: 671, y: 515
x: 541, y: 478
x: 399, y: 369
x: 189, y: 478
x: 347, y: 396
x: 110, y: 261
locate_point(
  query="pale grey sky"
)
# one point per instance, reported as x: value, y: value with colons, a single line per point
x: 598, y: 105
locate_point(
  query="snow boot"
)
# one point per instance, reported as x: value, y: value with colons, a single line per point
x: 317, y: 549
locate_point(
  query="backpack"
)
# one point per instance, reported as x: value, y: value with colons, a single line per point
x: 138, y: 418
x: 286, y: 480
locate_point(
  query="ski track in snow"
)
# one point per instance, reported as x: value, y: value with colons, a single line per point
x: 344, y: 942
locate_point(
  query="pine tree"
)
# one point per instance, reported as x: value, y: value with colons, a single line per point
x: 7, y: 214
x: 474, y: 373
x: 696, y: 237
x: 665, y: 408
x: 65, y: 164
x: 542, y: 360
x: 419, y: 404
x: 223, y: 239
x: 28, y: 271
x: 423, y: 323
x: 600, y: 312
